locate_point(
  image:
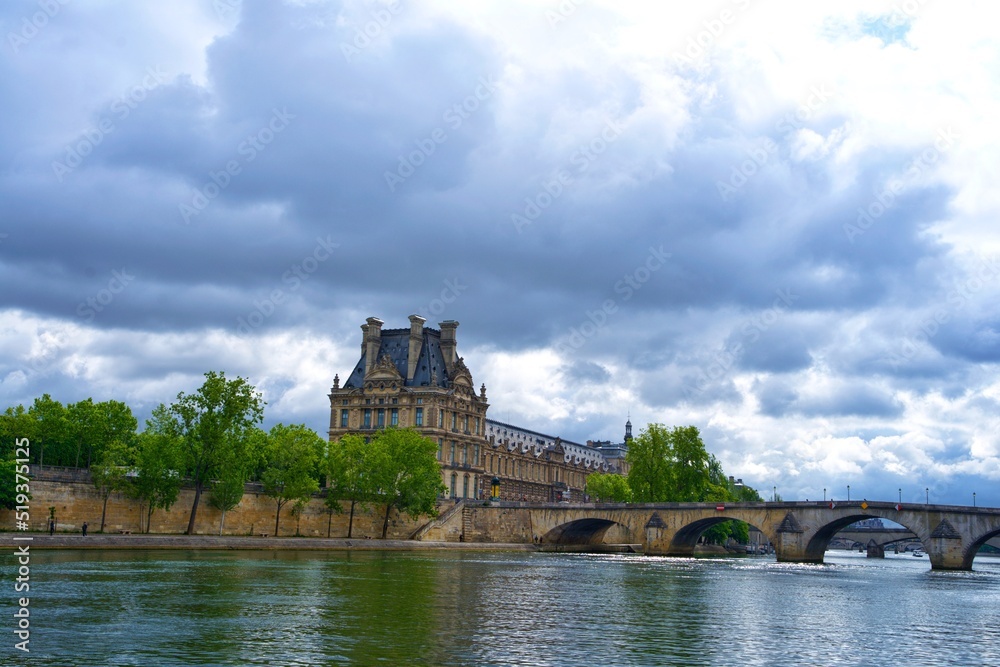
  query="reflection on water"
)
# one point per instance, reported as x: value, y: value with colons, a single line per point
x: 465, y: 608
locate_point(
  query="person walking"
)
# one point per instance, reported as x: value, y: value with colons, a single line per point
x: 84, y: 528
x: 52, y: 526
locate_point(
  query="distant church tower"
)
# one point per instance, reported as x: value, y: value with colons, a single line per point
x: 628, y: 430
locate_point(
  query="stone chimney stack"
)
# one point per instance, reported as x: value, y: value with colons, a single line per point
x: 372, y: 341
x: 448, y: 344
x: 416, y: 341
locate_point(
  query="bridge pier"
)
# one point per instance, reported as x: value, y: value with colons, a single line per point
x: 875, y: 550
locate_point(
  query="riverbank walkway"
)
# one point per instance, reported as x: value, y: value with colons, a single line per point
x: 238, y: 542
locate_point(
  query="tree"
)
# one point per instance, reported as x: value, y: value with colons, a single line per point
x: 649, y: 458
x: 407, y: 473
x: 350, y: 475
x: 608, y: 487
x: 291, y: 458
x: 227, y: 490
x: 158, y: 480
x: 50, y: 431
x: 213, y: 424
x: 110, y: 474
x: 690, y: 464
x: 668, y: 465
x: 91, y: 426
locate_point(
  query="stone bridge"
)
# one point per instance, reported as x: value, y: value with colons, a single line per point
x: 799, y: 531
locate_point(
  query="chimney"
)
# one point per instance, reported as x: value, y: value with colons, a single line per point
x: 372, y: 341
x: 448, y: 344
x: 416, y: 340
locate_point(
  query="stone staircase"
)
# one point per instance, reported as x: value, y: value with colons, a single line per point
x: 447, y: 527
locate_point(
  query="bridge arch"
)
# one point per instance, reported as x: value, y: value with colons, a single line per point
x: 821, y: 539
x: 582, y: 531
x: 974, y: 545
x: 686, y: 538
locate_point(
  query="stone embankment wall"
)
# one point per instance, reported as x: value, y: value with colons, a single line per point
x: 76, y: 500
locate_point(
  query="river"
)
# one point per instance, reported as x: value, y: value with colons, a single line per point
x: 465, y: 608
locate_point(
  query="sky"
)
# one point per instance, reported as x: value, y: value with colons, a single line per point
x: 770, y: 220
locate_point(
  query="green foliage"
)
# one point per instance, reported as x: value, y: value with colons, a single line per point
x: 668, y: 465
x: 8, y: 483
x: 110, y: 473
x: 608, y: 487
x: 214, y: 425
x: 291, y: 457
x: 350, y: 475
x: 405, y: 471
x: 158, y: 481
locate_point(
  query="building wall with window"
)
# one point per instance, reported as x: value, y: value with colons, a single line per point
x: 415, y: 378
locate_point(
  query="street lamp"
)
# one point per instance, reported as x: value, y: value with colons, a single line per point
x: 973, y: 498
x: 927, y: 496
x: 848, y: 493
x: 495, y: 488
x: 824, y: 494
x: 901, y: 496
x: 774, y: 494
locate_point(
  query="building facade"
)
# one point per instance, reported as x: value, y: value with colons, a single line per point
x: 414, y: 378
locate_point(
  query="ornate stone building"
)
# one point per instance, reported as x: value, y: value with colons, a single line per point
x: 415, y: 378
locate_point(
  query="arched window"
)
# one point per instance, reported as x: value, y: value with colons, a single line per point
x: 454, y: 485
x: 465, y: 486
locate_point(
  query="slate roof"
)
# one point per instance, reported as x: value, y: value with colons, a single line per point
x: 396, y: 344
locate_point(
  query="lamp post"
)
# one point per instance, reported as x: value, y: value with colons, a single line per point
x: 774, y: 494
x: 901, y: 496
x: 927, y: 496
x: 848, y: 493
x: 824, y: 494
x: 495, y: 488
x: 973, y: 498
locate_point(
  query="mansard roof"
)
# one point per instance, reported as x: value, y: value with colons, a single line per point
x: 395, y: 345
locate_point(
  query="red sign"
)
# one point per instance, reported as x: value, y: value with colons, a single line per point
x: 720, y: 508
x: 898, y: 507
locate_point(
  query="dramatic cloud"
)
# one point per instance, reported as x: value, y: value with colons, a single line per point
x: 774, y: 222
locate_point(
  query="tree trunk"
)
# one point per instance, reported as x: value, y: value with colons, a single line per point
x: 385, y: 524
x: 222, y: 524
x: 149, y: 516
x: 329, y: 523
x: 277, y: 515
x: 350, y: 523
x: 194, y: 508
x: 104, y: 510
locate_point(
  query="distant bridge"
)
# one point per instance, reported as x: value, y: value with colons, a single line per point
x: 799, y: 531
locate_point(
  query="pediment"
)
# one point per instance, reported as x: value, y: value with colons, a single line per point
x: 385, y: 369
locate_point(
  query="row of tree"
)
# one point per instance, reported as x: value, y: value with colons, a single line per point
x: 211, y: 440
x: 672, y: 465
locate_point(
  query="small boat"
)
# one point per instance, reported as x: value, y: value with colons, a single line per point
x: 918, y: 553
